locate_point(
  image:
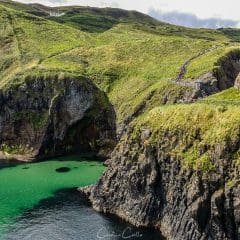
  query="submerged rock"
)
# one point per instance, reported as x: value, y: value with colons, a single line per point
x: 63, y: 169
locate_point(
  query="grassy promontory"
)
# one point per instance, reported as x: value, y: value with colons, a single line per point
x: 134, y: 59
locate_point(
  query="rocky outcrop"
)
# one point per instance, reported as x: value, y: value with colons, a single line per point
x: 146, y: 185
x: 225, y: 75
x: 46, y: 116
x: 237, y: 82
x: 203, y: 86
x: 227, y: 69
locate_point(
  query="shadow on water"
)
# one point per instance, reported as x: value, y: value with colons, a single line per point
x: 5, y: 163
x: 68, y: 216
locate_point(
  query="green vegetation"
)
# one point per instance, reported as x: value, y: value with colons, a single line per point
x: 193, y: 159
x: 233, y: 34
x: 134, y: 59
x: 206, y: 62
x: 14, y: 149
x: 86, y: 22
x: 127, y: 54
x: 192, y: 132
x: 37, y: 119
x: 230, y: 96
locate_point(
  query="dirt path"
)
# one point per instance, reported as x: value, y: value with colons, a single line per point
x: 184, y: 67
x: 16, y: 40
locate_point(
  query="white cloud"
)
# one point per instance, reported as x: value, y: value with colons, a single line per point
x: 202, y: 9
x: 191, y: 20
x: 206, y: 8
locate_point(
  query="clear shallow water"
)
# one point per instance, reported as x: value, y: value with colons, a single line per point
x: 34, y: 206
x: 24, y: 185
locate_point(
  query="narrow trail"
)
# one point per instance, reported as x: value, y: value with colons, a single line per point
x: 16, y: 40
x: 59, y: 53
x: 184, y: 67
x: 18, y: 65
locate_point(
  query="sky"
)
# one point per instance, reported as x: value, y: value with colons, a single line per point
x: 193, y: 13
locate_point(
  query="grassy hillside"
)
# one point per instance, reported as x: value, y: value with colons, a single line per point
x: 131, y: 56
x: 97, y: 20
x: 26, y: 40
x: 196, y: 133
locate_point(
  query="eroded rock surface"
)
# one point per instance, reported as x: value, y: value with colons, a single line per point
x: 50, y: 116
x: 225, y: 75
x: 147, y: 186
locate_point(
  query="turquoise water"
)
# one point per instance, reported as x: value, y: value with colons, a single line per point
x: 23, y: 186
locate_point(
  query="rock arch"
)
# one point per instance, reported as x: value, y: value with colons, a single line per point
x: 50, y: 116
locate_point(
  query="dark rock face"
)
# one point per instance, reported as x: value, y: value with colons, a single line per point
x: 147, y: 186
x: 47, y: 117
x: 225, y: 75
x: 227, y: 70
x: 203, y: 86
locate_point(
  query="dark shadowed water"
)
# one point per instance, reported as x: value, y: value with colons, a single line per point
x: 33, y: 205
x: 67, y: 216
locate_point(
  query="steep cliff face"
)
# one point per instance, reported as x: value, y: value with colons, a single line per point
x: 224, y: 75
x: 177, y: 167
x: 46, y: 116
x: 179, y: 170
x: 227, y: 69
x: 177, y: 176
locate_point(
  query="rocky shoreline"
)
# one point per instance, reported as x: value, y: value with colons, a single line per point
x: 147, y: 184
x: 158, y: 192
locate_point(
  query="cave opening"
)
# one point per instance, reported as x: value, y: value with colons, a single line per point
x: 81, y: 138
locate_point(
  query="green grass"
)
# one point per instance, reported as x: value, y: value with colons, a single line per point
x: 230, y: 96
x: 192, y: 132
x: 207, y: 62
x: 26, y: 40
x: 8, y: 43
x: 127, y: 54
x: 16, y: 5
x: 41, y: 38
x: 86, y: 22
x: 125, y: 58
x: 133, y: 58
x: 232, y: 33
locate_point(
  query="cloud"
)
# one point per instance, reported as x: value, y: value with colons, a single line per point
x: 114, y: 5
x: 191, y: 20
